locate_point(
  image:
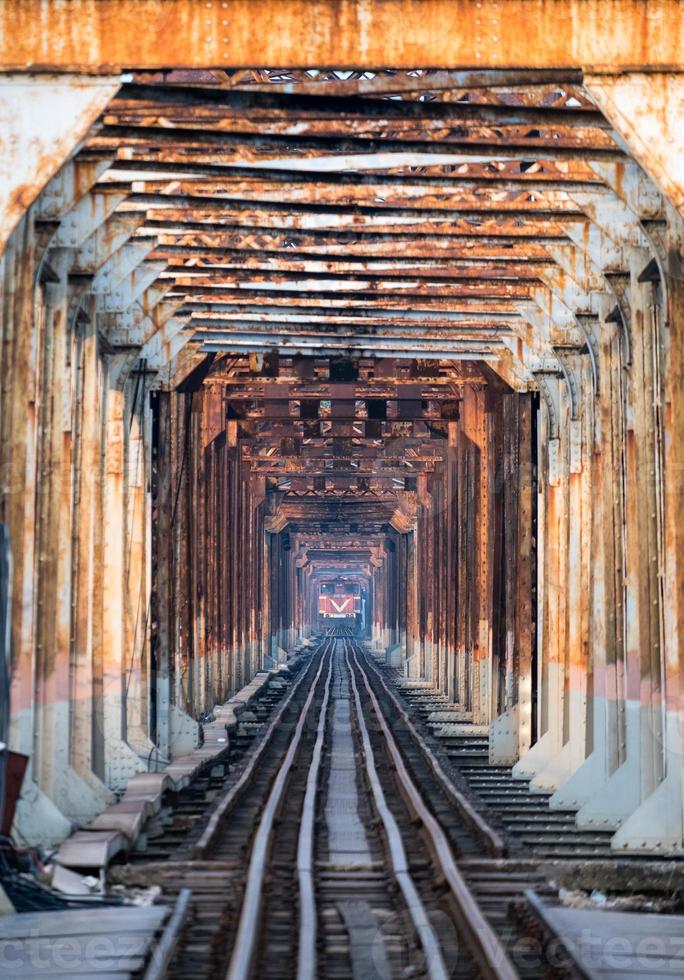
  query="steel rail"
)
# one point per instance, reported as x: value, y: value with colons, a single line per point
x: 493, y: 842
x: 242, y: 958
x: 163, y: 954
x: 436, y: 967
x: 308, y: 920
x: 236, y: 791
x: 481, y: 939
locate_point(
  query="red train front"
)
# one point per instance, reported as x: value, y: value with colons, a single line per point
x: 339, y: 603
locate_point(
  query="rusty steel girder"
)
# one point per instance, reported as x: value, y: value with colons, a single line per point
x: 418, y: 325
x: 93, y: 35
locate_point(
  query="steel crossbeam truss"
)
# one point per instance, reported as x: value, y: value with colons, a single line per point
x: 262, y: 327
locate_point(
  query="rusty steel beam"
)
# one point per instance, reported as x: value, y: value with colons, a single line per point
x: 94, y: 35
x: 405, y: 448
x: 259, y: 445
x: 346, y: 478
x: 379, y: 344
x: 334, y: 288
x: 223, y: 315
x: 444, y: 282
x: 314, y: 462
x: 382, y: 82
x: 368, y: 325
x: 205, y: 179
x: 245, y: 295
x: 309, y: 229
x: 366, y: 348
x: 245, y: 377
x: 312, y: 213
x: 509, y: 225
x: 329, y: 153
x: 144, y: 100
x: 414, y: 243
x: 332, y: 328
x: 423, y: 346
x: 343, y: 190
x: 288, y: 388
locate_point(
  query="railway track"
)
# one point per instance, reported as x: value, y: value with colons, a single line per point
x: 169, y: 832
x: 371, y: 868
x: 211, y: 858
x: 341, y: 849
x: 339, y: 711
x: 343, y: 843
x: 523, y: 818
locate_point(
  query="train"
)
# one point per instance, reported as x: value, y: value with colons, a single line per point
x: 339, y: 604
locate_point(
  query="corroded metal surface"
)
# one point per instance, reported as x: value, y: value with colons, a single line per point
x: 415, y: 331
x: 235, y: 33
x: 41, y: 120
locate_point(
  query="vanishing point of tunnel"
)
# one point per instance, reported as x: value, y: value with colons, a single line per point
x: 341, y: 489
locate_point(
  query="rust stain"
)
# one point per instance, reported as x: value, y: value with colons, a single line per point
x: 106, y: 34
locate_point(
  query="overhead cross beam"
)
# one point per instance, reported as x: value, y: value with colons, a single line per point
x: 93, y: 35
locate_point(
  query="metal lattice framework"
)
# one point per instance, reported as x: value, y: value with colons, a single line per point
x: 423, y: 215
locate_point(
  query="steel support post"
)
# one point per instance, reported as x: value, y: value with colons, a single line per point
x: 656, y: 825
x: 576, y: 581
x: 552, y: 575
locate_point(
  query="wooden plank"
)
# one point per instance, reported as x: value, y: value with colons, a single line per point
x: 638, y: 973
x: 102, y: 943
x: 93, y: 975
x: 612, y: 923
x: 82, y: 922
x: 123, y: 968
x: 607, y: 945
